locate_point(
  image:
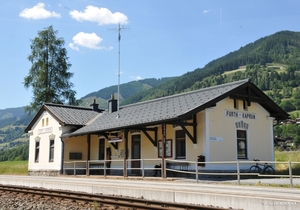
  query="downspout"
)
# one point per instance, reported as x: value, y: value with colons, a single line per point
x: 125, y: 153
x: 163, y: 152
x: 271, y: 119
x: 88, y: 154
x: 62, y: 155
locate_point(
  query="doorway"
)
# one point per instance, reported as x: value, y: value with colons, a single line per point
x: 136, y: 154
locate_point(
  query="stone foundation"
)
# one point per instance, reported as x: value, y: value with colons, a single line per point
x: 43, y: 172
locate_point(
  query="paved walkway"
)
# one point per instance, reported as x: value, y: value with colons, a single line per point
x: 206, y: 192
x: 275, y: 182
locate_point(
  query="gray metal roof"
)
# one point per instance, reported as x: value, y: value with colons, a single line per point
x: 66, y: 115
x: 159, y: 110
x: 71, y: 115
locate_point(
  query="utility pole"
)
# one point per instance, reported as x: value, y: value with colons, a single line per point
x: 119, y: 65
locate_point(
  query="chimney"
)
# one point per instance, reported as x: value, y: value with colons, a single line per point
x: 112, y: 104
x: 95, y: 107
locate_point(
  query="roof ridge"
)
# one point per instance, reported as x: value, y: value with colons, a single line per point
x: 68, y: 106
x: 187, y: 92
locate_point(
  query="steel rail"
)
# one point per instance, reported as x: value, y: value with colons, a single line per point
x: 117, y: 201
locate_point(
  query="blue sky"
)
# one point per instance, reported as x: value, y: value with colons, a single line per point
x: 164, y: 37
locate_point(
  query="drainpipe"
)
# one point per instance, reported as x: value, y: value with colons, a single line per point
x: 62, y: 155
x: 163, y: 152
x: 125, y: 153
x: 88, y: 154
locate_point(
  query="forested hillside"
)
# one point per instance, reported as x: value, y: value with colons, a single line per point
x: 11, y: 115
x: 16, y: 153
x: 126, y: 90
x: 12, y: 125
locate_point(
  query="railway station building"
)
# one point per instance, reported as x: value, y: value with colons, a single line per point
x: 192, y: 131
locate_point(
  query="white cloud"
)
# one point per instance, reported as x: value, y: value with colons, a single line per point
x: 207, y: 11
x: 87, y: 40
x: 137, y: 78
x: 102, y: 16
x: 73, y: 46
x: 38, y: 12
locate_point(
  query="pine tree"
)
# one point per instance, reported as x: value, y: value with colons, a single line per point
x: 49, y: 76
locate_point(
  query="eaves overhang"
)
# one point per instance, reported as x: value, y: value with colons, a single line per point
x: 127, y: 127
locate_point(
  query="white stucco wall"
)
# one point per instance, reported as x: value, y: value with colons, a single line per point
x: 43, y: 133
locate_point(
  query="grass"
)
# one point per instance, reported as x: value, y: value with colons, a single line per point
x: 286, y: 156
x: 279, y: 68
x: 14, y: 167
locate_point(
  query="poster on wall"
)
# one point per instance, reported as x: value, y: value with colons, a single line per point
x: 168, y: 148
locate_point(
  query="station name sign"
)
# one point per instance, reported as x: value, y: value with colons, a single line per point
x: 45, y: 130
x: 243, y: 115
x: 115, y: 139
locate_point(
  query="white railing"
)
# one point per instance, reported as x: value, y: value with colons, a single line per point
x: 189, y: 169
x: 74, y: 166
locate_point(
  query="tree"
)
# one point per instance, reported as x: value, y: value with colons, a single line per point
x: 287, y: 105
x: 49, y: 76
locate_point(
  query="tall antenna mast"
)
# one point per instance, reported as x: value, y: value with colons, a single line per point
x: 119, y: 65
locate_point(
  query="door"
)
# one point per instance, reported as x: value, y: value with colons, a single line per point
x: 136, y: 154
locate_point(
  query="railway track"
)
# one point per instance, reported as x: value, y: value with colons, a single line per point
x: 116, y: 202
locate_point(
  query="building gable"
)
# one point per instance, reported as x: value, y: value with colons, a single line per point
x: 65, y: 115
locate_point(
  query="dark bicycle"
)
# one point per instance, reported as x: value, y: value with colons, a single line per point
x: 261, y: 168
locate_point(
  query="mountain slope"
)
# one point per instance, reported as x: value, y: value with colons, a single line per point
x: 126, y: 90
x: 13, y: 115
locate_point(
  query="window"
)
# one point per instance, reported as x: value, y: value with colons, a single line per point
x: 180, y: 144
x: 235, y: 104
x: 101, y: 149
x: 75, y: 156
x: 47, y: 121
x: 245, y: 105
x: 37, y: 151
x: 51, y: 150
x: 241, y: 144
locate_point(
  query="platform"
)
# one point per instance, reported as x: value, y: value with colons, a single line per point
x: 171, y: 190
